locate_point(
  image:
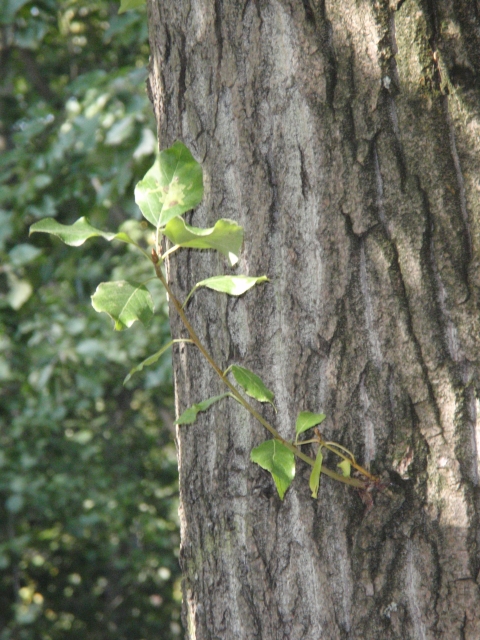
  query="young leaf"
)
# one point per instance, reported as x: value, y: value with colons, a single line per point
x: 190, y: 415
x: 252, y: 384
x: 152, y: 359
x: 173, y: 186
x: 226, y: 237
x: 126, y: 5
x: 124, y: 302
x: 233, y: 285
x: 75, y: 234
x: 274, y: 456
x: 314, y: 481
x: 346, y: 467
x: 307, y: 420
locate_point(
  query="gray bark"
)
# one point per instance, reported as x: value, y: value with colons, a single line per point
x: 344, y: 135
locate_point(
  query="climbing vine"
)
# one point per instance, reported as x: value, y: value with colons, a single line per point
x: 173, y: 186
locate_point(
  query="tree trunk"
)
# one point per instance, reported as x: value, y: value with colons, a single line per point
x: 344, y: 135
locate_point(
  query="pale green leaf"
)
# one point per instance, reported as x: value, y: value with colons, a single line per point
x: 75, y: 234
x: 125, y: 302
x: 171, y: 187
x: 252, y: 384
x: 314, y: 481
x: 346, y: 467
x: 126, y: 5
x: 233, y: 285
x: 275, y: 457
x: 152, y: 359
x: 190, y: 415
x: 226, y: 237
x: 307, y: 420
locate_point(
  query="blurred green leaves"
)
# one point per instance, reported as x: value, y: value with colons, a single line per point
x: 87, y: 466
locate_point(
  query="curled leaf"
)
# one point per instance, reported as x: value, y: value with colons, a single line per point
x: 314, y: 481
x: 233, y: 285
x: 226, y: 237
x: 125, y: 302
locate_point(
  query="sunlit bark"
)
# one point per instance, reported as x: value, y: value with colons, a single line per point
x: 345, y: 137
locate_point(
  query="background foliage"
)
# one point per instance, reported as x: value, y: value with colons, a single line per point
x: 87, y: 466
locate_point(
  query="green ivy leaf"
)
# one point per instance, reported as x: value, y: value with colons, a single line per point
x: 346, y: 467
x: 314, y: 481
x: 126, y: 5
x: 190, y: 415
x: 75, y: 234
x: 124, y: 302
x: 171, y: 187
x: 226, y: 237
x: 307, y: 420
x: 274, y: 456
x: 252, y: 384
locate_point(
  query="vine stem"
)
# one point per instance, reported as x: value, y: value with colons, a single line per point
x: 336, y: 448
x: 354, y: 482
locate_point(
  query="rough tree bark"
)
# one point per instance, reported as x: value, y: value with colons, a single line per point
x: 344, y: 135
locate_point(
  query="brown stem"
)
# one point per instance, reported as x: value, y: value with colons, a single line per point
x: 336, y: 449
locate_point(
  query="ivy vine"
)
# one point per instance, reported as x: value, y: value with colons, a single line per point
x: 173, y: 186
